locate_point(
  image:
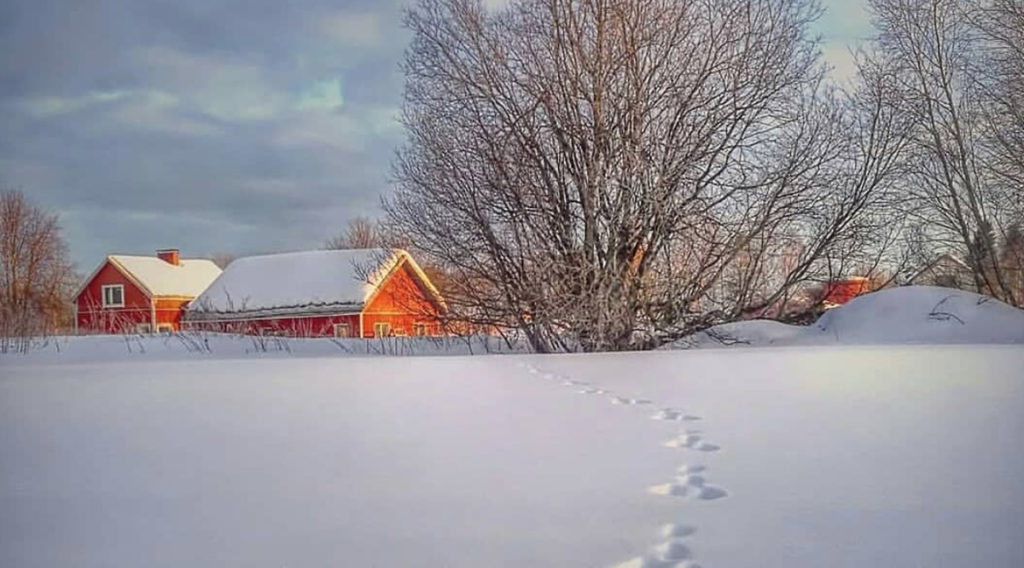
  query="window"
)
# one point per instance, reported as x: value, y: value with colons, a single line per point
x: 419, y: 329
x: 113, y: 296
x: 381, y: 329
x: 341, y: 330
x: 143, y: 328
x: 164, y: 328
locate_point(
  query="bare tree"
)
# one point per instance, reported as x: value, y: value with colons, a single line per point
x: 614, y: 174
x: 36, y: 277
x: 360, y: 233
x: 222, y: 259
x: 962, y: 91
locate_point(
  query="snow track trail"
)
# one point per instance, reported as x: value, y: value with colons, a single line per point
x: 671, y: 548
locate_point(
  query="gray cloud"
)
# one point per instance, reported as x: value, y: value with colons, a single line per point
x: 238, y: 126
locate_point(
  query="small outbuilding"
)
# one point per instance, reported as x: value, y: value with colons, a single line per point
x: 322, y: 293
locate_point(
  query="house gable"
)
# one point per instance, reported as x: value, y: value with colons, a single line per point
x: 405, y: 288
x: 91, y: 315
x: 91, y: 293
x: 403, y: 300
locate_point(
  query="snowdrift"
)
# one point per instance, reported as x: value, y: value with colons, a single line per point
x: 902, y: 316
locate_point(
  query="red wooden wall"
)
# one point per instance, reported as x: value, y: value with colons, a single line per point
x: 93, y: 317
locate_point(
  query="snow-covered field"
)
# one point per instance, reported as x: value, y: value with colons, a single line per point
x: 782, y: 457
x: 837, y: 456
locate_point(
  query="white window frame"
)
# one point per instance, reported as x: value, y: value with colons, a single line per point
x: 143, y: 329
x: 164, y: 328
x: 381, y: 325
x: 419, y: 329
x: 346, y: 327
x: 103, y: 293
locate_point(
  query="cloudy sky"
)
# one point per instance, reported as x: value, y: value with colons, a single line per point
x: 216, y: 126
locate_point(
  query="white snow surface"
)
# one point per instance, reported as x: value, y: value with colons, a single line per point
x: 188, y: 279
x: 325, y: 278
x: 219, y: 450
x: 906, y: 315
x: 790, y: 457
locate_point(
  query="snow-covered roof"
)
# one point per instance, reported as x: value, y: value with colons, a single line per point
x: 160, y: 278
x: 308, y: 281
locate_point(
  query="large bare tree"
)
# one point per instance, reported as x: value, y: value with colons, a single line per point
x: 35, y: 274
x: 612, y: 174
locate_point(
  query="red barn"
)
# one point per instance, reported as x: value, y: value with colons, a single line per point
x: 340, y: 293
x: 141, y: 293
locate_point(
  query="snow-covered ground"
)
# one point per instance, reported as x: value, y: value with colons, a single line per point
x: 913, y: 315
x: 222, y: 451
x: 857, y: 456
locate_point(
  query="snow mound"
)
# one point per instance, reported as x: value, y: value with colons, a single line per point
x: 899, y: 316
x: 924, y: 314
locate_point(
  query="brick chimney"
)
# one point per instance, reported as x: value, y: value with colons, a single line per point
x: 169, y: 256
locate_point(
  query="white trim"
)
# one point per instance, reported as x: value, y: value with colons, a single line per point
x: 360, y: 325
x: 103, y: 295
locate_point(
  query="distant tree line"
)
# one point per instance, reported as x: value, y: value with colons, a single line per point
x: 614, y: 174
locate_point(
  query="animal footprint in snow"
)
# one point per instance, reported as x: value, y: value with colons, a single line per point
x: 628, y: 401
x: 692, y: 440
x: 672, y: 552
x: 674, y: 414
x: 575, y: 383
x: 673, y: 530
x: 689, y: 485
x: 592, y: 391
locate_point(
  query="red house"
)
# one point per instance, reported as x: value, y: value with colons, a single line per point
x: 140, y: 293
x: 340, y: 293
